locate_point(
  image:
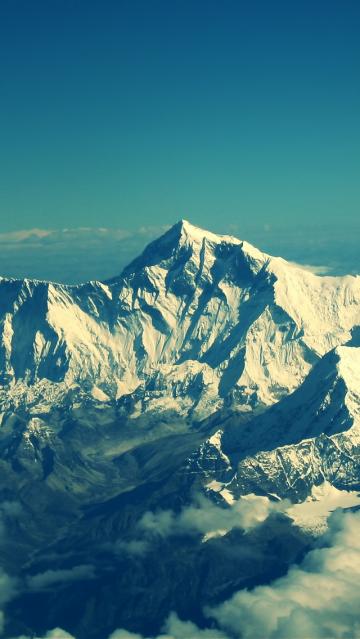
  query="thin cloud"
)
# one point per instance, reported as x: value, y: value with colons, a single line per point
x: 8, y: 590
x: 72, y: 256
x: 56, y: 633
x: 17, y: 237
x: 317, y: 270
x: 50, y: 577
x: 78, y: 255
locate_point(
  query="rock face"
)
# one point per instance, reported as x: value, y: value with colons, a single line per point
x: 206, y: 370
x: 311, y: 436
x: 196, y: 322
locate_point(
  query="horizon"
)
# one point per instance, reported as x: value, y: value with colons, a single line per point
x: 78, y: 255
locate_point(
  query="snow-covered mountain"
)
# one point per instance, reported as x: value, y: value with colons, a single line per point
x: 196, y: 322
x: 310, y: 436
x: 206, y: 371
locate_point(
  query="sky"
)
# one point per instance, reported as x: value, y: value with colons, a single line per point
x: 125, y: 114
x: 72, y: 256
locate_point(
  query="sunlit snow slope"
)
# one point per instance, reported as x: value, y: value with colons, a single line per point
x: 308, y: 437
x: 197, y: 321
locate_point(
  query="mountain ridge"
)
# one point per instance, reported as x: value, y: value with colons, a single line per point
x: 206, y: 372
x: 195, y: 321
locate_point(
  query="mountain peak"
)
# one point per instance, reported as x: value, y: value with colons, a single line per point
x: 186, y: 236
x: 198, y: 311
x: 198, y: 234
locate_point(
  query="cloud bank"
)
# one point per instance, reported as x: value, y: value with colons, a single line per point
x: 79, y: 255
x: 175, y: 629
x: 72, y: 256
x: 202, y: 517
x: 208, y: 518
x: 320, y: 599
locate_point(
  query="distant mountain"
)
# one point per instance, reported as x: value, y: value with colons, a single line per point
x: 196, y: 322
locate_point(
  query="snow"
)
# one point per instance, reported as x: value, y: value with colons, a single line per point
x: 227, y: 496
x: 200, y: 321
x: 197, y: 317
x: 98, y: 394
x: 312, y: 514
x: 214, y: 485
x: 196, y: 234
x: 349, y: 366
x: 215, y: 440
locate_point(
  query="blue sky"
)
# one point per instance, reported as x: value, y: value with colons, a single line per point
x: 122, y: 114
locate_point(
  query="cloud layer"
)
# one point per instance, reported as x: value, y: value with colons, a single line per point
x: 72, y: 255
x: 202, y: 517
x: 56, y: 633
x: 320, y: 599
x: 208, y: 518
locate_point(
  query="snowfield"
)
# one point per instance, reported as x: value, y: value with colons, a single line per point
x: 196, y: 322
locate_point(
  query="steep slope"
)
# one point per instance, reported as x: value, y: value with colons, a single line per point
x: 308, y: 437
x: 198, y: 320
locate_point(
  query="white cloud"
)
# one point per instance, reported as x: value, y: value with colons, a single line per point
x: 124, y: 634
x: 317, y: 270
x: 56, y: 633
x: 320, y: 599
x: 133, y: 547
x: 72, y: 255
x: 210, y: 519
x: 9, y: 510
x: 50, y: 577
x: 8, y: 589
x: 175, y: 629
x: 202, y: 517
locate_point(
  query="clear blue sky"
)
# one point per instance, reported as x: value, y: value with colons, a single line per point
x: 120, y: 114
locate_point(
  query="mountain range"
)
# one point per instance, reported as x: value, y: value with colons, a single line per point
x: 207, y: 371
x: 197, y: 321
